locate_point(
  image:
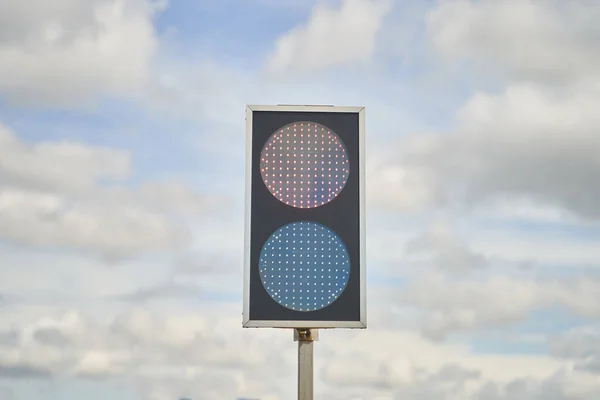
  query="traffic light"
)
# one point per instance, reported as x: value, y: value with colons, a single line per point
x: 305, y: 221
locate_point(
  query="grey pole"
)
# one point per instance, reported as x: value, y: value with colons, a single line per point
x: 305, y: 339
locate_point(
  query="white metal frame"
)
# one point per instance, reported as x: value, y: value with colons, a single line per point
x: 362, y: 323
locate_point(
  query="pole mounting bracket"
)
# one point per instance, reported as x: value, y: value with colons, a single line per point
x: 306, y: 335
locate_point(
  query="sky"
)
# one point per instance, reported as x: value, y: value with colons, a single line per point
x: 122, y: 163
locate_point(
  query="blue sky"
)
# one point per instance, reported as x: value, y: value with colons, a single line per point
x: 122, y: 185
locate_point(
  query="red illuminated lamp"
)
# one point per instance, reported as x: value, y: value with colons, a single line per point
x: 315, y: 144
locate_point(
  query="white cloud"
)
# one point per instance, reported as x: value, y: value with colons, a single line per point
x: 523, y: 144
x: 534, y: 142
x: 159, y: 350
x: 59, y: 278
x: 399, y: 364
x: 67, y: 52
x: 469, y: 305
x: 64, y: 165
x: 205, y: 352
x: 52, y: 194
x: 47, y: 219
x: 442, y: 247
x: 550, y: 41
x: 397, y: 185
x: 331, y: 38
x: 481, y: 243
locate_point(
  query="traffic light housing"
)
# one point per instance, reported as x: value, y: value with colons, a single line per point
x: 305, y: 221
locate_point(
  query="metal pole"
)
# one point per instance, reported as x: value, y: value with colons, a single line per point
x: 305, y: 339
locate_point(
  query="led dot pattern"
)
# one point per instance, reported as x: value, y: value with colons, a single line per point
x: 304, y: 164
x: 304, y: 266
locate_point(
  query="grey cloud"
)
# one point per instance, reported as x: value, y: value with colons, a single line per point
x: 453, y: 382
x: 168, y: 290
x: 6, y: 393
x: 208, y: 385
x: 581, y: 346
x: 9, y: 338
x: 443, y: 382
x: 591, y: 365
x: 555, y: 387
x: 52, y: 337
x: 361, y: 372
x: 451, y: 372
x: 446, y: 383
x: 23, y: 372
x: 552, y: 388
x: 204, y: 263
x: 445, y: 250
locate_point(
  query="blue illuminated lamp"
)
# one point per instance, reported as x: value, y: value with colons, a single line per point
x: 304, y: 266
